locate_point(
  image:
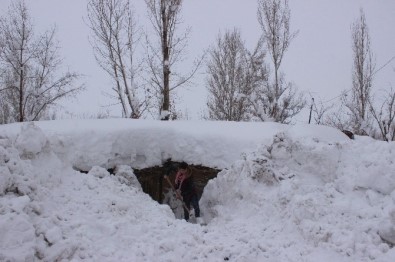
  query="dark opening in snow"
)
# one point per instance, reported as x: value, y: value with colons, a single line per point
x: 153, y: 183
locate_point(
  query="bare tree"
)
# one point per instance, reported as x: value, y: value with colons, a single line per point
x: 115, y: 37
x: 233, y: 75
x: 29, y: 65
x: 289, y: 103
x: 337, y: 119
x: 385, y: 117
x: 362, y: 77
x: 280, y: 99
x: 165, y: 52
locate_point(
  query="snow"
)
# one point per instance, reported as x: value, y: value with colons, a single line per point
x: 285, y: 193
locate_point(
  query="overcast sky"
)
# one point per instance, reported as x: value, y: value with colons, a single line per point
x: 319, y: 60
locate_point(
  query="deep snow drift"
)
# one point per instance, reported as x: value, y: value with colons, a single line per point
x: 286, y: 193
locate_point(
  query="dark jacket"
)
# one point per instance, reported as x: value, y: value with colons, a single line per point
x: 187, y: 187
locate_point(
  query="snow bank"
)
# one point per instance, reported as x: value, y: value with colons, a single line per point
x: 313, y: 199
x: 287, y: 193
x: 50, y: 212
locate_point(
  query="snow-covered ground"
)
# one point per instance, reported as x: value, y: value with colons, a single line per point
x: 286, y: 193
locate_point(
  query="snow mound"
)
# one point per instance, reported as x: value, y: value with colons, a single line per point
x: 50, y: 212
x: 26, y: 145
x: 321, y: 194
x: 301, y: 193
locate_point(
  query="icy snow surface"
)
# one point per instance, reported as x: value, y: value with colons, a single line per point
x: 286, y: 193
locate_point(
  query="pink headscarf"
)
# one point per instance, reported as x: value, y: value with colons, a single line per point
x: 180, y: 177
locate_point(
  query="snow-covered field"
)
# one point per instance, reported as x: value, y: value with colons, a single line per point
x: 286, y: 193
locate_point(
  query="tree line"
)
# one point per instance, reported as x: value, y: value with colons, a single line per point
x: 242, y: 84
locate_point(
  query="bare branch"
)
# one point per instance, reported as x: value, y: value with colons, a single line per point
x: 280, y: 100
x: 234, y: 75
x: 30, y: 65
x: 164, y: 51
x: 385, y: 116
x: 115, y: 36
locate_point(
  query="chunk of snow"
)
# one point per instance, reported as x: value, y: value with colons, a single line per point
x: 25, y: 143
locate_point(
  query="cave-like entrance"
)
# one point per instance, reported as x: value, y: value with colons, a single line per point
x: 153, y: 183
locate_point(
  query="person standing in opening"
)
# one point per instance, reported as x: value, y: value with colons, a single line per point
x: 185, y: 186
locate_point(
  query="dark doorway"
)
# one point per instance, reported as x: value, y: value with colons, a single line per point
x: 152, y: 182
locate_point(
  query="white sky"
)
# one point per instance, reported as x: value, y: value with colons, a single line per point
x: 319, y: 59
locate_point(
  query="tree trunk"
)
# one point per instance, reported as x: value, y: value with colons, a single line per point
x: 21, y: 115
x: 166, y: 71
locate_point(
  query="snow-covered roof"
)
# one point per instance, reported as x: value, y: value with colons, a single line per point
x: 145, y: 143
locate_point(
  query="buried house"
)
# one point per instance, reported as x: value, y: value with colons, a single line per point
x: 146, y: 145
x: 284, y: 193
